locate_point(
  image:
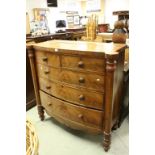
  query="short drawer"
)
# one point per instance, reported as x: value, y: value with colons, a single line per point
x: 74, y: 95
x: 47, y: 58
x: 72, y: 112
x: 88, y: 80
x: 48, y: 72
x: 83, y: 63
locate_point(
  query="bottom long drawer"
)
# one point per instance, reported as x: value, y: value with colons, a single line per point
x: 86, y: 116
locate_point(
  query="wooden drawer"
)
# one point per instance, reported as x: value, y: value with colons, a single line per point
x: 47, y: 58
x: 89, y: 80
x: 83, y: 63
x: 48, y: 72
x: 72, y: 112
x: 74, y: 95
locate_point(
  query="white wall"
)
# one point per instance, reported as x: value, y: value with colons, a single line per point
x: 75, y: 5
x: 54, y: 14
x: 90, y: 4
x: 30, y: 4
x: 114, y: 5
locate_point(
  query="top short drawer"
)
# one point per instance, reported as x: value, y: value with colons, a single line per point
x: 47, y: 58
x: 83, y: 63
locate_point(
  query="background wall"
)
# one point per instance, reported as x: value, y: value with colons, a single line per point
x: 114, y: 5
x: 27, y: 24
x: 100, y: 14
x: 55, y: 13
x: 30, y: 4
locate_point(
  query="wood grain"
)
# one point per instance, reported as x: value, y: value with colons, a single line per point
x: 79, y: 114
x: 87, y: 80
x: 35, y: 83
x: 74, y: 95
x: 80, y: 47
x: 47, y: 58
x: 80, y: 83
x: 83, y: 63
x: 75, y: 125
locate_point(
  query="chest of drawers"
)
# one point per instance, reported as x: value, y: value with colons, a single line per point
x: 79, y: 83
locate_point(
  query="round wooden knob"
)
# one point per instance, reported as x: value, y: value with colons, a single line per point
x: 80, y: 64
x: 81, y: 97
x: 46, y: 71
x: 44, y: 58
x: 50, y: 104
x: 80, y: 116
x: 81, y: 80
x: 98, y: 80
x: 56, y: 50
x: 48, y: 87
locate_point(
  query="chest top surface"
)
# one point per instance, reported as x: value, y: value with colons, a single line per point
x: 83, y: 46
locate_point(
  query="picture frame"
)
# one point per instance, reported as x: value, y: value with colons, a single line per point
x: 70, y: 19
x: 76, y: 20
x: 93, y: 6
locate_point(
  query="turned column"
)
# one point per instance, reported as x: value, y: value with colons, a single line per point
x: 35, y: 83
x: 109, y: 85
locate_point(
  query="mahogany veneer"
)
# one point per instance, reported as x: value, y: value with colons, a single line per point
x: 79, y: 83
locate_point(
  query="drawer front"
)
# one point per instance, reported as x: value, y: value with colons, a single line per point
x: 83, y: 63
x: 47, y: 58
x: 89, y: 80
x: 77, y: 96
x: 48, y: 72
x: 75, y: 113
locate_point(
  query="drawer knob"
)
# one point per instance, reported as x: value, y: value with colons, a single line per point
x: 49, y: 104
x: 80, y: 116
x: 98, y: 80
x: 46, y: 72
x: 81, y: 80
x: 56, y: 50
x: 44, y: 58
x: 80, y: 64
x: 48, y: 87
x: 81, y: 97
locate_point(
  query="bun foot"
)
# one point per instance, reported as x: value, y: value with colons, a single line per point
x: 106, y: 146
x: 106, y: 149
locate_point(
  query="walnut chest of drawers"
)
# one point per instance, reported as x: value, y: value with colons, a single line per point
x: 79, y: 83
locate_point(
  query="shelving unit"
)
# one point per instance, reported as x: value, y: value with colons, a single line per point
x: 122, y: 14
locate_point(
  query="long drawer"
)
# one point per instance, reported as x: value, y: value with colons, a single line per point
x: 89, y: 80
x: 83, y: 63
x: 74, y: 95
x: 75, y: 113
x: 47, y: 58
